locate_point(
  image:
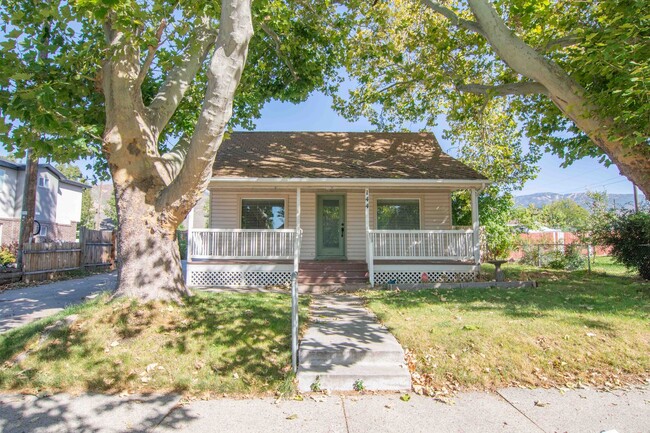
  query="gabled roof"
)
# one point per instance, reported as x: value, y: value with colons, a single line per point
x: 20, y: 167
x: 337, y: 155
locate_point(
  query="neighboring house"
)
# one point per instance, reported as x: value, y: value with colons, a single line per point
x: 355, y: 207
x: 58, y: 203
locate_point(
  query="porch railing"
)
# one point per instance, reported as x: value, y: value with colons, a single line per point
x: 422, y: 244
x: 241, y: 244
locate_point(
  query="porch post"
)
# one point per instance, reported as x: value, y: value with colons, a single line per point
x: 369, y: 249
x: 475, y: 228
x: 294, y: 287
x: 190, y: 226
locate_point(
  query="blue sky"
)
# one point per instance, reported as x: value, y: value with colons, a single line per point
x: 316, y: 114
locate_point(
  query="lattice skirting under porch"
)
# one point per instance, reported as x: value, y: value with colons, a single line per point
x: 209, y: 278
x: 414, y: 277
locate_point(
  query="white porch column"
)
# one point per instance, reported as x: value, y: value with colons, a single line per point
x: 475, y: 228
x: 190, y: 226
x: 369, y: 247
x: 294, y: 286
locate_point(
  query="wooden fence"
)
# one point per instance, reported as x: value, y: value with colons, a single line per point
x: 96, y: 248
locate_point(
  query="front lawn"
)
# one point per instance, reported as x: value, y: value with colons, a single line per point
x: 216, y: 343
x: 575, y: 328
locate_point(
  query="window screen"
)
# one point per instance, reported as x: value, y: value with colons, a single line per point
x: 262, y: 214
x: 397, y: 214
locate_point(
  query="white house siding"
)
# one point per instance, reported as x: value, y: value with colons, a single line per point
x: 46, y: 198
x: 68, y: 204
x: 8, y: 184
x: 435, y: 211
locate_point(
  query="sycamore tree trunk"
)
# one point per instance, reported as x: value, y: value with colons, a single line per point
x: 154, y: 192
x: 567, y: 94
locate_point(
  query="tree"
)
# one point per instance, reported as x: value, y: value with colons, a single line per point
x: 628, y: 235
x: 151, y: 87
x: 110, y: 209
x: 565, y: 214
x: 87, y: 218
x: 572, y: 73
x: 71, y: 171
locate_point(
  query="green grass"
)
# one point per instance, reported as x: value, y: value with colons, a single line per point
x: 216, y: 343
x: 574, y: 328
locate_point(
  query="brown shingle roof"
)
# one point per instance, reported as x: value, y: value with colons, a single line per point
x: 337, y: 155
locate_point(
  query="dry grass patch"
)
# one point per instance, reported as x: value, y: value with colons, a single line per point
x: 238, y: 344
x: 574, y: 329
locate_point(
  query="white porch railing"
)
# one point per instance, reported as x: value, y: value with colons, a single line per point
x: 422, y: 244
x: 241, y: 244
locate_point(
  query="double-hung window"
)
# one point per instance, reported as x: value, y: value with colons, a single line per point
x: 398, y: 214
x: 43, y: 181
x: 262, y: 214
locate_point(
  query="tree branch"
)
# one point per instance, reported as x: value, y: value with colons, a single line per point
x: 224, y: 74
x: 169, y: 164
x: 521, y: 88
x: 277, y: 43
x: 180, y: 78
x: 151, y: 54
x: 563, y: 42
x: 472, y: 26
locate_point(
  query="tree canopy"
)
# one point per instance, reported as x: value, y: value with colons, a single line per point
x: 51, y: 59
x: 572, y: 74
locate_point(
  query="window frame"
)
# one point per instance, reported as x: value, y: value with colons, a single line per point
x: 46, y: 181
x: 393, y: 198
x: 285, y: 201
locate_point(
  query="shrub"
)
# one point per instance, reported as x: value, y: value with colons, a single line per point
x: 570, y: 259
x: 8, y: 254
x: 628, y: 235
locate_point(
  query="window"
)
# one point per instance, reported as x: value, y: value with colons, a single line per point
x: 398, y: 214
x: 262, y: 214
x: 43, y: 181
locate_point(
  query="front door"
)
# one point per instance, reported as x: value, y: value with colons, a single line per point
x: 330, y: 227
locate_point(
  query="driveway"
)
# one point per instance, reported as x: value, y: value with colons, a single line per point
x: 24, y: 305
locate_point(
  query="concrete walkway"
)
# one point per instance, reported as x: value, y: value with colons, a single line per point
x: 21, y: 306
x: 345, y: 344
x: 509, y: 410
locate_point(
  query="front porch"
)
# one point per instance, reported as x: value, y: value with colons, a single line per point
x: 344, y: 243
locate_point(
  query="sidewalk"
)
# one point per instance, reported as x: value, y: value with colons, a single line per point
x: 509, y: 410
x: 21, y: 306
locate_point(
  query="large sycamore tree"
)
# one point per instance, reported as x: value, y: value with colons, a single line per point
x: 149, y: 88
x: 573, y: 74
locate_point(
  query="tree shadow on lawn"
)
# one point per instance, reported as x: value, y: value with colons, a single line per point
x: 245, y: 333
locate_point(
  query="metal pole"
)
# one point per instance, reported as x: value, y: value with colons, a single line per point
x: 294, y: 288
x: 589, y: 258
x: 636, y: 198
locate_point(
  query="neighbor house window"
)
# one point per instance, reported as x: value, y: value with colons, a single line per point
x: 262, y: 214
x: 44, y: 181
x: 398, y: 214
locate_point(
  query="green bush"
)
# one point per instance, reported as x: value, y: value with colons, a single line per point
x: 628, y: 235
x: 570, y: 259
x: 7, y: 255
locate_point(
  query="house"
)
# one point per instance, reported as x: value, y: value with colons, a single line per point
x: 338, y: 208
x: 58, y: 202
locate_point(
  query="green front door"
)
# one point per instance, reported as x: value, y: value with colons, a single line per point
x: 330, y: 227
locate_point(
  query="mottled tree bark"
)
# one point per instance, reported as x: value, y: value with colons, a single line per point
x: 154, y: 192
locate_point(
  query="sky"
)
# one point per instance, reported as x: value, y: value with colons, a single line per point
x: 316, y: 114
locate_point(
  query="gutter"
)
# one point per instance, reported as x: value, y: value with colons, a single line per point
x: 481, y: 183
